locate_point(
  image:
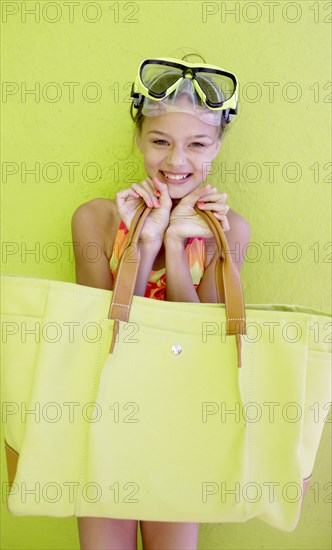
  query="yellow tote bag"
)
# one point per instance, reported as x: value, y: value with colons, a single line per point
x: 120, y: 406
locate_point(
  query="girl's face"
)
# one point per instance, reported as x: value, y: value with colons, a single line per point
x: 178, y: 144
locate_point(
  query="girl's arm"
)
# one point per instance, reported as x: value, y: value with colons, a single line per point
x: 180, y: 288
x: 92, y: 224
x: 87, y: 228
x: 148, y: 253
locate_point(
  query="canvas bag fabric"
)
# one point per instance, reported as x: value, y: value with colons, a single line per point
x: 155, y: 420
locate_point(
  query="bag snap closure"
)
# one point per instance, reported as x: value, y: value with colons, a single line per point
x: 176, y: 349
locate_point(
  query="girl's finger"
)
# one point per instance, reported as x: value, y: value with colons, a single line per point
x: 203, y: 190
x: 218, y: 207
x: 161, y: 187
x: 213, y: 190
x: 122, y: 196
x: 157, y: 188
x: 211, y: 198
x: 153, y: 187
x: 148, y: 197
x: 195, y: 195
x: 214, y: 197
x: 133, y: 193
x: 224, y: 223
x: 161, y: 191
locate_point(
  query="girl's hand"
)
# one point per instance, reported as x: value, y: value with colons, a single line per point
x: 185, y: 222
x: 155, y: 194
x: 217, y: 204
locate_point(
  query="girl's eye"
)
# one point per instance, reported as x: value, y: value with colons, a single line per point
x: 163, y: 141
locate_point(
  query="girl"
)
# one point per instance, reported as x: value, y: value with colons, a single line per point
x: 181, y: 119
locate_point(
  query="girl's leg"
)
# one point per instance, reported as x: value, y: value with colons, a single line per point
x: 107, y: 533
x: 164, y: 535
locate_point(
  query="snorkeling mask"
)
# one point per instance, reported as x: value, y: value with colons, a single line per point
x: 161, y: 81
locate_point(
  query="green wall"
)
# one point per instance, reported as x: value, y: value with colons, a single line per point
x: 76, y: 132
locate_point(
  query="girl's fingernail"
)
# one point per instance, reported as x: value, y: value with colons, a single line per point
x: 157, y: 192
x: 200, y: 204
x: 158, y: 203
x: 150, y: 203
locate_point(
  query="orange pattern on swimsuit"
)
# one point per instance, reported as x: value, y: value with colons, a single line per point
x: 156, y: 286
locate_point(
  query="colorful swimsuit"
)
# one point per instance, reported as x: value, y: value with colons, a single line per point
x: 156, y: 286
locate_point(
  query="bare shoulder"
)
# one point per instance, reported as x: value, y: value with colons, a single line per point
x: 238, y: 237
x: 94, y: 225
x: 96, y: 219
x: 97, y: 209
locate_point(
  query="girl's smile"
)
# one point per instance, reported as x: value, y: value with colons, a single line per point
x: 178, y: 180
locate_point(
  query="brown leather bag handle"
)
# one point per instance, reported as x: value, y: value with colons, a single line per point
x: 227, y: 277
x: 228, y: 281
x: 126, y: 274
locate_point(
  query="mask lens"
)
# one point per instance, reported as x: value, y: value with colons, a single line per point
x: 217, y: 87
x: 157, y: 77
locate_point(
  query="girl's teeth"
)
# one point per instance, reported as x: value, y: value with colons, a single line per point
x: 175, y: 177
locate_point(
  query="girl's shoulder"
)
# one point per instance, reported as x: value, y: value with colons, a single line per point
x: 96, y: 207
x: 97, y: 217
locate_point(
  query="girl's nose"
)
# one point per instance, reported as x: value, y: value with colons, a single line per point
x: 176, y: 156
